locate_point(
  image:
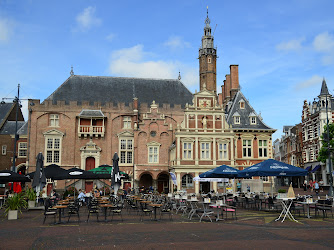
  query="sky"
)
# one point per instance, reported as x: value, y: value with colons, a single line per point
x: 283, y: 48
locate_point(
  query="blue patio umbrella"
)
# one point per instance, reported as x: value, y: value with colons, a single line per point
x: 222, y: 171
x: 272, y: 167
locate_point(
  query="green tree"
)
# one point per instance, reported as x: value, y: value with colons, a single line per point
x: 323, y: 153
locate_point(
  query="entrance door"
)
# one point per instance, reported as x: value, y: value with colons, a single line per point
x: 127, y: 185
x: 49, y: 189
x: 90, y: 163
x: 205, y: 187
x: 88, y: 186
x: 163, y: 181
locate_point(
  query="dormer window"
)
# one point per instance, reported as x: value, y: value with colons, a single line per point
x: 236, y: 118
x: 252, y: 119
x: 242, y: 104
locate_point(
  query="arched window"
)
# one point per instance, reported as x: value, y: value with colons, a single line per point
x: 187, y: 181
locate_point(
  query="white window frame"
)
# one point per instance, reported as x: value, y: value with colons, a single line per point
x: 205, y: 150
x: 22, y: 149
x: 54, y: 120
x: 263, y: 148
x: 265, y: 178
x: 222, y: 150
x: 52, y: 150
x: 126, y: 150
x: 187, y: 152
x: 247, y: 149
x: 53, y: 134
x: 127, y: 122
x: 153, y: 152
x: 209, y: 59
x: 187, y: 181
x: 4, y: 149
x: 236, y: 119
x: 252, y: 120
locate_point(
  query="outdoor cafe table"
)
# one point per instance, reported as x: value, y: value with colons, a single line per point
x: 218, y: 208
x: 145, y: 202
x: 155, y: 206
x: 106, y: 206
x: 286, y: 205
x: 59, y: 208
x: 308, y: 206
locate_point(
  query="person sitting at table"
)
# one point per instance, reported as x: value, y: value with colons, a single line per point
x: 81, y: 197
x: 54, y: 197
x: 97, y: 193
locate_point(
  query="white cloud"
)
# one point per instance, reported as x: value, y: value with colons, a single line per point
x: 132, y: 62
x: 111, y: 37
x: 314, y: 80
x: 87, y: 19
x: 324, y: 43
x: 294, y: 45
x: 176, y: 42
x: 5, y: 30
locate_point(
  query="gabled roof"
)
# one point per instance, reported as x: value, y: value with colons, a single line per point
x: 244, y: 114
x: 5, y: 109
x: 105, y: 89
x: 23, y: 130
x: 9, y: 127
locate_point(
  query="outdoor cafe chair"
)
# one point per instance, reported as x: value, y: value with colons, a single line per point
x: 116, y: 210
x: 206, y: 212
x: 48, y: 211
x: 296, y: 207
x: 182, y: 206
x: 73, y: 209
x: 166, y: 209
x: 324, y: 206
x: 144, y: 211
x: 194, y: 209
x: 93, y: 208
x: 231, y: 209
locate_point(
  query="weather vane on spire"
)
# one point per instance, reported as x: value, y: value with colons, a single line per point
x: 207, y: 20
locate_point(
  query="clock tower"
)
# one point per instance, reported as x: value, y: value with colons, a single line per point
x: 207, y: 59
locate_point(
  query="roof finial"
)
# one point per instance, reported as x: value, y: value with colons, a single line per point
x: 72, y: 72
x: 207, y: 19
x: 179, y: 77
x: 207, y: 11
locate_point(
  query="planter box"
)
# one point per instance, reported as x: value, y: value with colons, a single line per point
x: 31, y: 204
x: 12, y: 214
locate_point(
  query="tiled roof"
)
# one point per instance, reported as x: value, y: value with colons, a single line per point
x: 244, y: 114
x: 91, y: 113
x: 9, y: 127
x: 5, y: 109
x: 121, y: 90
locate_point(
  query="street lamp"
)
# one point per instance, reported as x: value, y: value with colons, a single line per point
x: 329, y: 162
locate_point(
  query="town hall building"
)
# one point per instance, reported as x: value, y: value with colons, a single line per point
x: 156, y: 126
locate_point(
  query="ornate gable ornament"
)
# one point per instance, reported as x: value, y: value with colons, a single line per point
x: 90, y: 147
x: 154, y: 113
x: 125, y: 134
x: 53, y: 132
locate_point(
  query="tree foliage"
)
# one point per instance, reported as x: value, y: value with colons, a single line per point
x: 323, y: 153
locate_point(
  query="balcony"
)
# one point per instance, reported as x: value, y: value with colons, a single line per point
x: 86, y: 130
x: 91, y: 123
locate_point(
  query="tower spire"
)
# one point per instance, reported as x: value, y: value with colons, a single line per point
x: 207, y: 58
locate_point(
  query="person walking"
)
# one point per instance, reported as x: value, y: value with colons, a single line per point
x: 316, y: 187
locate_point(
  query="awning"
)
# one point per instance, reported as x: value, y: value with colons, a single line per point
x: 318, y: 167
x: 309, y: 168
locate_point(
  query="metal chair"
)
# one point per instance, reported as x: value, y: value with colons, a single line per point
x: 73, y: 209
x: 48, y: 211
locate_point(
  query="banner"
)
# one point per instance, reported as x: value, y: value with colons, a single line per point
x: 173, y: 178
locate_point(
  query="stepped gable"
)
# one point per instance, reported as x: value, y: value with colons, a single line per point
x: 245, y: 114
x: 106, y: 89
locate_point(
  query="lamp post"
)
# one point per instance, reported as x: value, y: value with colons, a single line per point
x: 17, y: 101
x: 329, y: 162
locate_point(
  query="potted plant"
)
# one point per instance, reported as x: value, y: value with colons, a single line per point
x: 15, y: 204
x: 31, y: 196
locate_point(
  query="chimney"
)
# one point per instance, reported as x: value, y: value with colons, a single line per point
x: 228, y: 88
x: 135, y: 104
x: 234, y: 80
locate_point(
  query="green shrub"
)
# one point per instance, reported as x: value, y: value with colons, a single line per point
x: 15, y: 202
x: 281, y: 191
x: 30, y: 194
